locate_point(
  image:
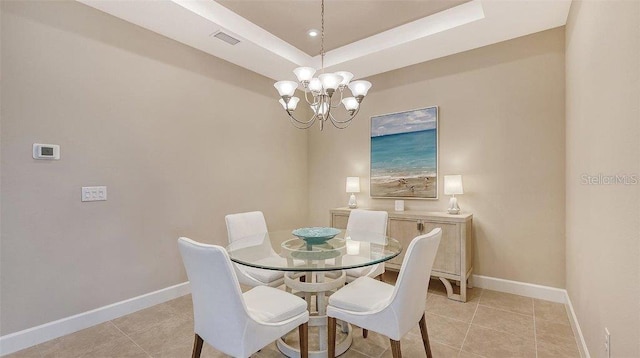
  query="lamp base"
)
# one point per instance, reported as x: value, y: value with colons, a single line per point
x: 352, y: 201
x: 453, y: 206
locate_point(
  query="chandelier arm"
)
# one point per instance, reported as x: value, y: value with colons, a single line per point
x: 339, y: 124
x: 351, y: 117
x: 301, y: 124
x: 337, y: 104
x: 298, y: 126
x: 315, y: 99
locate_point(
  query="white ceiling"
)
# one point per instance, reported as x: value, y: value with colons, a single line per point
x: 462, y: 27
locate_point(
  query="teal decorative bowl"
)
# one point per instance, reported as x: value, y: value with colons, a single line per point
x: 316, y: 235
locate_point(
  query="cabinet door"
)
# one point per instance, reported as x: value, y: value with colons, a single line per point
x: 448, y: 256
x: 403, y: 230
x: 339, y: 221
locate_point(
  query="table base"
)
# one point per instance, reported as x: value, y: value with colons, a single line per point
x: 316, y: 286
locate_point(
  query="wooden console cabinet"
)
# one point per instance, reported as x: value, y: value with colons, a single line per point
x: 454, y: 260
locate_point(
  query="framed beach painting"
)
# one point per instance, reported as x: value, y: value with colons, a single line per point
x: 404, y: 154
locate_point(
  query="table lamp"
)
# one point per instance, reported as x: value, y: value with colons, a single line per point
x: 353, y: 186
x: 453, y: 186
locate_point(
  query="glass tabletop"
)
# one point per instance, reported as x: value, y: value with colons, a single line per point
x: 282, y: 251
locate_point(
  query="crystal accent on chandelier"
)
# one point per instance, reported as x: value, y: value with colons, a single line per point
x: 321, y: 92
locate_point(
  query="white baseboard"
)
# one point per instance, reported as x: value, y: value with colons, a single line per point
x: 30, y: 337
x: 521, y: 288
x: 582, y: 345
x: 536, y: 291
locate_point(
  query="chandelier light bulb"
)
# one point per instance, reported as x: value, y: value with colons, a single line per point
x: 359, y: 88
x: 304, y: 73
x: 286, y: 88
x: 330, y: 80
x: 291, y: 106
x: 346, y: 77
x: 350, y: 103
x: 315, y: 85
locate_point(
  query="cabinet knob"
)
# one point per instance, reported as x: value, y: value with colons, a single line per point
x: 420, y: 226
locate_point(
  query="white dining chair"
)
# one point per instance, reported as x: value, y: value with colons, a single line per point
x: 361, y: 223
x: 252, y: 226
x: 386, y: 309
x: 235, y: 323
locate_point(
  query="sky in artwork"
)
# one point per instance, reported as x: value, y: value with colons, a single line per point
x: 404, y: 122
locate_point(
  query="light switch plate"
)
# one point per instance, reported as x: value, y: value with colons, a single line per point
x: 94, y: 193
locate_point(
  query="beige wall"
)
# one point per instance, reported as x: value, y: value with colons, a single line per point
x: 179, y: 137
x: 501, y: 127
x: 603, y: 131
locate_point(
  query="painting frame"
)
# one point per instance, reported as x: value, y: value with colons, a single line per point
x: 404, y: 152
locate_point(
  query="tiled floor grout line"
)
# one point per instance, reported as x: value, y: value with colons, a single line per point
x: 131, y: 339
x: 535, y: 336
x: 471, y: 322
x: 504, y: 310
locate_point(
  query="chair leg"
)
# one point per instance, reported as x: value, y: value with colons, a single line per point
x: 197, y: 347
x: 331, y: 327
x: 365, y: 333
x: 425, y: 336
x: 303, y: 335
x: 395, y: 349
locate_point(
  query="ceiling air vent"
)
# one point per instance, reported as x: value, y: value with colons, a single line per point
x: 226, y: 38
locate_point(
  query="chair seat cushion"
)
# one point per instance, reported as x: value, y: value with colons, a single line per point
x: 271, y: 305
x: 362, y: 295
x: 371, y: 271
x: 262, y: 275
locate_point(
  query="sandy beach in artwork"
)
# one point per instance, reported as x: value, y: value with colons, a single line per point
x: 421, y: 186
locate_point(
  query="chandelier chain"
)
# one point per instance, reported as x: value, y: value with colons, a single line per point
x: 322, y: 36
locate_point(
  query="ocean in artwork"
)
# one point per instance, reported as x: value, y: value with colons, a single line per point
x: 404, y: 155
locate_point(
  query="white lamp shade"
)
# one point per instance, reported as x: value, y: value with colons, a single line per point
x: 350, y: 103
x: 353, y: 184
x: 315, y: 85
x: 304, y: 73
x: 286, y: 88
x: 359, y: 88
x: 330, y: 80
x: 346, y: 77
x: 293, y: 103
x: 453, y: 185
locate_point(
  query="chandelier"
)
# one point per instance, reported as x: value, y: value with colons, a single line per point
x: 320, y: 93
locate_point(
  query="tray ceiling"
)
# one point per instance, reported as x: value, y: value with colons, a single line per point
x: 365, y: 37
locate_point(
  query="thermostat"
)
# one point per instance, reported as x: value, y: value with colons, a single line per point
x: 46, y: 151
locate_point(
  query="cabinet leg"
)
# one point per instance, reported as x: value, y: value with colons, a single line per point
x: 448, y: 286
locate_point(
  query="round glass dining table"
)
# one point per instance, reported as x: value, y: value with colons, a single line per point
x: 314, y: 268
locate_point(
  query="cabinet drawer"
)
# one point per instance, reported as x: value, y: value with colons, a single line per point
x: 448, y: 256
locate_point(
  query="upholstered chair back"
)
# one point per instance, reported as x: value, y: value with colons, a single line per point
x: 367, y: 221
x: 408, y: 299
x: 243, y: 225
x: 219, y: 311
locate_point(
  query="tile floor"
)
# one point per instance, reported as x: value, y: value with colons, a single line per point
x: 491, y: 324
